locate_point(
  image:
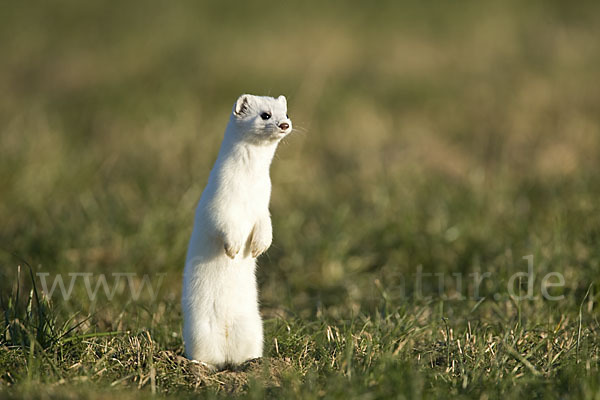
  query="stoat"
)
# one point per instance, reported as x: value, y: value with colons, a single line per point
x: 232, y: 226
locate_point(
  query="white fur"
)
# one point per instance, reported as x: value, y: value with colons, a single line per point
x: 232, y: 227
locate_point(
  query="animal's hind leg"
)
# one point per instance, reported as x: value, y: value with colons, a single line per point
x: 204, y: 344
x: 245, y: 339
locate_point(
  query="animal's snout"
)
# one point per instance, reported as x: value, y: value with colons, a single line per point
x: 284, y: 125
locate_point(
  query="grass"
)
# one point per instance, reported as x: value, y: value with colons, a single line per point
x: 439, y: 145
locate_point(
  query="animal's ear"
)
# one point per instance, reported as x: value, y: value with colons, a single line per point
x: 282, y: 99
x: 241, y: 105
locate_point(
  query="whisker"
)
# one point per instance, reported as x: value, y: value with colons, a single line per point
x: 299, y: 129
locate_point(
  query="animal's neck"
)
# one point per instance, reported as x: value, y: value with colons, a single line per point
x: 253, y: 158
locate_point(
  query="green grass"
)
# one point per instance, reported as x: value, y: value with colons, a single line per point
x: 434, y: 138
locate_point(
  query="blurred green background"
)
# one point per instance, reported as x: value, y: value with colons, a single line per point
x: 437, y: 137
x: 459, y: 136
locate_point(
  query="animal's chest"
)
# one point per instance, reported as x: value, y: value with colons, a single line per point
x: 253, y: 195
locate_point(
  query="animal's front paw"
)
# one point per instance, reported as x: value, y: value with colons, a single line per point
x: 232, y: 249
x: 262, y: 236
x: 258, y: 249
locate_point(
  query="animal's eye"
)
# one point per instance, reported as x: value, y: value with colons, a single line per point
x: 287, y: 116
x: 265, y: 115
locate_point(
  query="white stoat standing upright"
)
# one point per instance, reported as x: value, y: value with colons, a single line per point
x: 232, y: 226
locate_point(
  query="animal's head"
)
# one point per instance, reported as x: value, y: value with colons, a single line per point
x: 262, y: 119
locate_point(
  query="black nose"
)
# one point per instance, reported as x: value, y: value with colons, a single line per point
x: 284, y: 126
